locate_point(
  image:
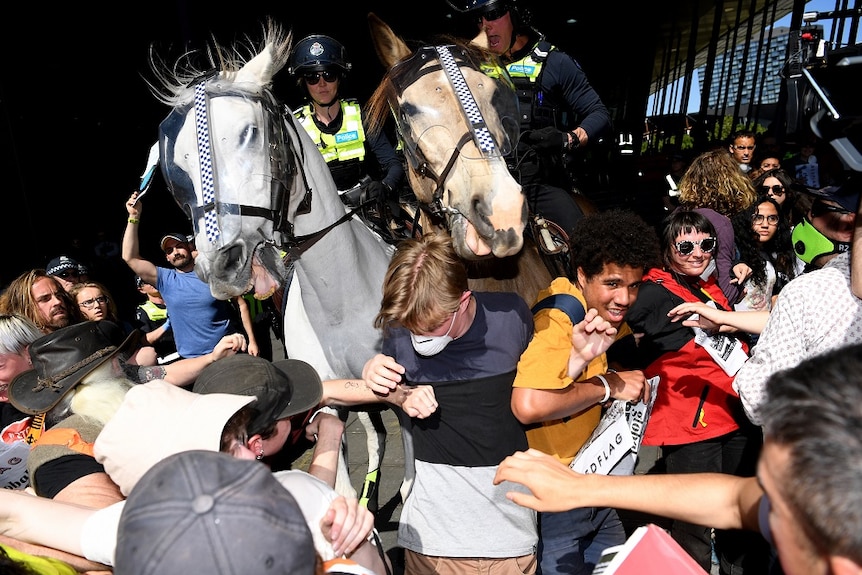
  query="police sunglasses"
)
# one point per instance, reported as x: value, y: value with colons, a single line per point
x: 313, y: 78
x: 492, y: 14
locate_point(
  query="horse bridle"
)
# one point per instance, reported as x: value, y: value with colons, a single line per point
x: 281, y: 168
x: 479, y: 132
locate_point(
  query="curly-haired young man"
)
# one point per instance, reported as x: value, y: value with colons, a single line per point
x: 563, y: 377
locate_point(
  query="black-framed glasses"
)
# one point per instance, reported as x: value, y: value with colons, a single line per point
x: 92, y: 302
x: 313, y: 78
x: 686, y: 247
x: 776, y: 190
x: 66, y: 274
x: 771, y: 219
x: 819, y: 208
x: 741, y: 148
x: 492, y: 14
x: 170, y: 249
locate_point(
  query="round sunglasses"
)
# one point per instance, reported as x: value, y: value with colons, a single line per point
x: 686, y: 247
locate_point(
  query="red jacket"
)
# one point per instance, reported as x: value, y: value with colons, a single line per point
x: 695, y: 399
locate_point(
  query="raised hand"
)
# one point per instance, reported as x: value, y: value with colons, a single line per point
x: 590, y: 338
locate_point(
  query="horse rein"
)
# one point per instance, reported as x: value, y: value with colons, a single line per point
x: 479, y: 132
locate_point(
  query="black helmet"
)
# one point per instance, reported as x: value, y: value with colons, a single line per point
x: 317, y: 53
x: 478, y: 8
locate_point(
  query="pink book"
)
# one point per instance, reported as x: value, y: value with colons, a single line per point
x: 650, y: 550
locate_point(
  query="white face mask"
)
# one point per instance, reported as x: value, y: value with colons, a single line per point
x: 428, y: 345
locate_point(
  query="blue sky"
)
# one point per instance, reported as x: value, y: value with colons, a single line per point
x: 811, y: 6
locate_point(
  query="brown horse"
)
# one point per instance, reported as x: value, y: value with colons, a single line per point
x: 457, y: 119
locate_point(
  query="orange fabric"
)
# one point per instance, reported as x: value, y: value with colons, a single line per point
x: 66, y: 437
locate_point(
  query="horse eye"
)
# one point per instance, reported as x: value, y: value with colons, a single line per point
x: 249, y: 135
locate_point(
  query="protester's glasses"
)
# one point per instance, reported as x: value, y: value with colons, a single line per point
x: 313, y: 78
x: 820, y: 208
x: 686, y: 247
x: 87, y: 304
x: 777, y: 189
x: 741, y: 148
x: 170, y: 249
x: 66, y: 274
x: 492, y: 14
x: 771, y: 219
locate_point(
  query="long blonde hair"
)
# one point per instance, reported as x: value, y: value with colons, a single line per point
x: 713, y: 180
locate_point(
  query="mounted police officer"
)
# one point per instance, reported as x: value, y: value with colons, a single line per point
x: 335, y: 124
x: 560, y: 111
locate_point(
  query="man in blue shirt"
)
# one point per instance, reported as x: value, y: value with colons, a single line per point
x: 198, y: 319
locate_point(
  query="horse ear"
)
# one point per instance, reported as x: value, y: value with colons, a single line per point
x: 260, y: 69
x: 390, y: 48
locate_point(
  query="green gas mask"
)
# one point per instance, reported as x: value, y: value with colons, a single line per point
x: 809, y: 243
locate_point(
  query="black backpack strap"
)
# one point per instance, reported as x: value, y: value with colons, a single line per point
x: 564, y: 302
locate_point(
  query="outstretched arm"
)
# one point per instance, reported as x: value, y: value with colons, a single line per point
x: 144, y: 269
x: 247, y: 325
x: 46, y: 527
x: 723, y: 321
x: 185, y: 371
x: 721, y: 500
x: 325, y: 429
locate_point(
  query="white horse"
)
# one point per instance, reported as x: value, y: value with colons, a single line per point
x: 254, y: 186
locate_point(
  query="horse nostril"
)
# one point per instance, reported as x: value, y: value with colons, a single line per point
x: 232, y: 258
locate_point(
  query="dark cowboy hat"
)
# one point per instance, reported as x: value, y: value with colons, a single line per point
x: 62, y: 359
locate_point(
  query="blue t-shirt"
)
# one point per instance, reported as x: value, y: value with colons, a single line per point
x: 198, y: 320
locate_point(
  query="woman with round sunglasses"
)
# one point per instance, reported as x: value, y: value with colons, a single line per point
x: 714, y: 186
x: 697, y: 418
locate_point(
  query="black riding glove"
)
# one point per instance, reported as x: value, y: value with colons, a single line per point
x: 374, y: 191
x: 547, y: 139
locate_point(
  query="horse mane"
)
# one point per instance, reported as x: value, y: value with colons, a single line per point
x: 172, y: 83
x: 377, y: 108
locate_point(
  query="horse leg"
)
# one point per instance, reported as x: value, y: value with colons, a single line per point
x: 375, y: 440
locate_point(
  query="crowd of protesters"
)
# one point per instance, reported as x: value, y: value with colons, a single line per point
x: 137, y: 413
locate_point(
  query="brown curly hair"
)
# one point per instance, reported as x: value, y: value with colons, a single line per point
x: 713, y: 180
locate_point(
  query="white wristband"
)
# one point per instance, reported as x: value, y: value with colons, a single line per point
x: 607, y: 389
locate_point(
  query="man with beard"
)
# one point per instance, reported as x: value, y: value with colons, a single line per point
x: 199, y: 320
x: 40, y: 298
